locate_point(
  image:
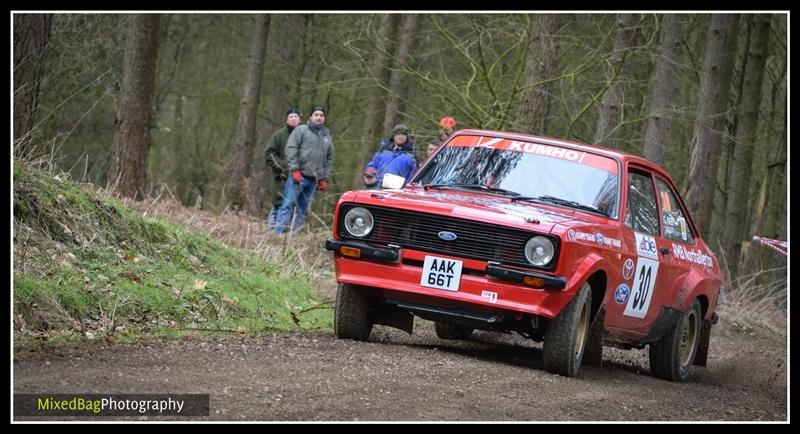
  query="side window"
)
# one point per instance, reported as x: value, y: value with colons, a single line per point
x: 642, y: 212
x: 675, y: 225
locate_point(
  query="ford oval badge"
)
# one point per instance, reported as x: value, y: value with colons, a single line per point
x: 447, y: 236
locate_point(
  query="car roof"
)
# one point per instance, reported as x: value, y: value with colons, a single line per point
x: 616, y: 154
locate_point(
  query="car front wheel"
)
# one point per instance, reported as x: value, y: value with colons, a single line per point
x: 565, y: 338
x: 350, y: 319
x: 672, y: 356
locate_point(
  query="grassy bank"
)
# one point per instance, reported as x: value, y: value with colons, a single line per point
x: 86, y: 265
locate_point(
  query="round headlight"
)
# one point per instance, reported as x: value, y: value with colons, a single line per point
x: 539, y: 251
x: 358, y: 222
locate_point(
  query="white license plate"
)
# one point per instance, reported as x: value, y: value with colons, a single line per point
x: 441, y: 273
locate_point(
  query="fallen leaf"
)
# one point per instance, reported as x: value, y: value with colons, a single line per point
x: 132, y: 276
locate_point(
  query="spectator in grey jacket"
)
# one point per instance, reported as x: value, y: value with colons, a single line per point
x: 309, y: 158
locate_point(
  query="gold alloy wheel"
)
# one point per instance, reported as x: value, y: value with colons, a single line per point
x: 689, y: 337
x: 583, y: 327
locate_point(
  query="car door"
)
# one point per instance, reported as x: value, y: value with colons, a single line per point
x: 638, y: 297
x: 677, y: 232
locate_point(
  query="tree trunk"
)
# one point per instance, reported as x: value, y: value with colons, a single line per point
x: 708, y: 129
x: 770, y: 209
x: 739, y: 181
x: 398, y: 82
x: 31, y: 34
x: 305, y: 56
x: 127, y: 173
x: 246, y: 126
x: 284, y: 44
x: 611, y: 106
x: 664, y: 89
x: 183, y: 188
x: 776, y: 225
x: 540, y: 66
x: 716, y: 231
x: 767, y: 213
x: 283, y: 49
x: 374, y: 107
x: 777, y: 206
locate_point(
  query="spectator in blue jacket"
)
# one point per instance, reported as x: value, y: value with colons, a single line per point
x: 395, y: 156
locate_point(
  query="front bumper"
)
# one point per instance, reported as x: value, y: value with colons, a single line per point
x: 499, y: 272
x: 367, y: 251
x: 397, y: 273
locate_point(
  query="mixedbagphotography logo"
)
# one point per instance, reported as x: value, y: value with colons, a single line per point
x: 111, y: 405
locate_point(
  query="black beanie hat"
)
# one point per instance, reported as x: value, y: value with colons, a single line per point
x: 292, y: 110
x: 316, y: 108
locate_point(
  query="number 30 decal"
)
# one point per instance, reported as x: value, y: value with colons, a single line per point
x: 642, y: 288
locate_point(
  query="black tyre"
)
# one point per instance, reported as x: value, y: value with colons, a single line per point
x: 351, y: 319
x: 565, y: 338
x: 450, y: 331
x: 672, y: 356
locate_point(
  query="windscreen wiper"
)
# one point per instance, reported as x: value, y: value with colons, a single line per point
x: 473, y: 187
x: 559, y: 201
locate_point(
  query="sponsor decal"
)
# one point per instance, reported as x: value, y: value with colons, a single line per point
x: 583, y: 236
x: 488, y: 144
x: 627, y: 269
x: 490, y: 296
x: 693, y: 256
x: 597, y: 238
x: 622, y: 293
x: 646, y: 246
x: 547, y: 150
x: 642, y: 288
x: 684, y: 229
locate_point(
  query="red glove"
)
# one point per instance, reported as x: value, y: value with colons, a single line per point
x: 322, y: 184
x: 297, y: 176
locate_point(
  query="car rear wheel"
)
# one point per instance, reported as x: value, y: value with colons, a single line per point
x: 350, y: 319
x: 565, y: 338
x: 450, y: 331
x: 672, y: 356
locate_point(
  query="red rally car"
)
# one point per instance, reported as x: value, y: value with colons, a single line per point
x: 574, y: 245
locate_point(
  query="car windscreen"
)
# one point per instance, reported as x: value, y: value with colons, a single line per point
x: 526, y: 169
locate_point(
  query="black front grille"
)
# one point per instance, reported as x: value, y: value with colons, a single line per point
x: 419, y: 231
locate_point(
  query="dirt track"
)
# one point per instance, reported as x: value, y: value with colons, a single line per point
x: 394, y: 376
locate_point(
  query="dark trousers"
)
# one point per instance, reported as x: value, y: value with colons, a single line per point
x: 278, y: 182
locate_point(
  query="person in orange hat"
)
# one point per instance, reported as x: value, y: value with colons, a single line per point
x: 448, y: 124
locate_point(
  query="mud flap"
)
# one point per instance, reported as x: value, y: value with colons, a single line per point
x: 396, y: 318
x: 593, y: 354
x: 702, y: 347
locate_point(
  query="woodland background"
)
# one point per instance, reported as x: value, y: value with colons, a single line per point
x: 182, y: 104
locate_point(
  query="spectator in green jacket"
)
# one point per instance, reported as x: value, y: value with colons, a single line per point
x: 309, y: 159
x: 276, y: 160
